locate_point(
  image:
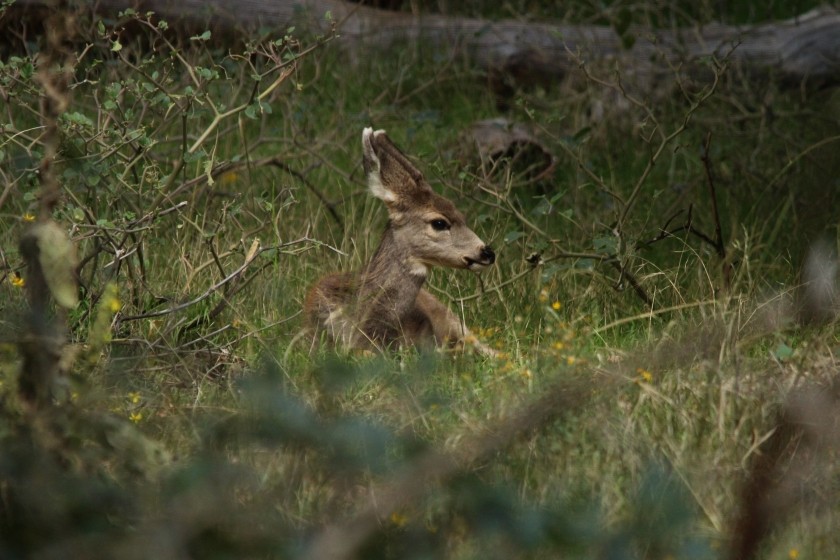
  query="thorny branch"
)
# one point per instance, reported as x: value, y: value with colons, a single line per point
x: 618, y: 259
x: 232, y: 277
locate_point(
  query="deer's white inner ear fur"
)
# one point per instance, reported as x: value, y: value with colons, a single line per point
x: 377, y: 188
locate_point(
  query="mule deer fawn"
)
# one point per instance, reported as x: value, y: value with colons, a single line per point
x: 384, y: 305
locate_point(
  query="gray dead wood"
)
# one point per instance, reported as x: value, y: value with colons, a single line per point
x: 806, y: 47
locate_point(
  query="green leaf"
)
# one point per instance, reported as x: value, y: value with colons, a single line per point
x: 57, y: 256
x: 513, y: 236
x: 203, y: 37
x: 783, y: 352
x: 543, y: 207
x: 116, y: 46
x: 27, y: 70
x: 205, y: 73
x: 606, y: 244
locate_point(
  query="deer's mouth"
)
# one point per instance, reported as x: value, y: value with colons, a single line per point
x: 486, y: 258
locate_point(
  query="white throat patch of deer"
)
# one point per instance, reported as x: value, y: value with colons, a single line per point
x: 385, y: 305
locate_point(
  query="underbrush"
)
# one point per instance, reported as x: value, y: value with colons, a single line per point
x: 657, y: 356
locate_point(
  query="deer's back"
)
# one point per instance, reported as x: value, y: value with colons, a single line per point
x: 326, y: 297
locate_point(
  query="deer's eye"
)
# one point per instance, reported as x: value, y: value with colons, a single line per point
x: 440, y: 225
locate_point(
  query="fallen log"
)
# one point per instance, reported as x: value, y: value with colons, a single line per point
x: 804, y: 48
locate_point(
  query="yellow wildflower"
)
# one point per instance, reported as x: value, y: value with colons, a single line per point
x: 571, y: 360
x: 135, y: 417
x: 558, y: 345
x: 399, y: 519
x: 134, y: 397
x: 556, y: 306
x: 229, y: 178
x: 17, y: 281
x: 645, y: 375
x: 28, y: 217
x: 793, y: 554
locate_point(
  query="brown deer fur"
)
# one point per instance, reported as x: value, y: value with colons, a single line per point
x: 384, y: 305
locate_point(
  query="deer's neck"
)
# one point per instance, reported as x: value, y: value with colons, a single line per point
x: 390, y: 282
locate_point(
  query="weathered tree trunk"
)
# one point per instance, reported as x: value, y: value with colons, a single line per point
x: 804, y: 48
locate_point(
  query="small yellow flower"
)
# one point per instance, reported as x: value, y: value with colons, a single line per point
x: 558, y: 345
x: 645, y: 375
x: 399, y: 519
x: 793, y: 554
x: 229, y: 178
x: 17, y: 281
x: 114, y: 304
x: 571, y: 360
x: 135, y: 417
x: 28, y: 217
x: 134, y: 397
x: 556, y: 306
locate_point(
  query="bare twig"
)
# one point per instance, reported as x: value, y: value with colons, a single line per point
x: 275, y: 161
x: 718, y: 243
x: 212, y: 289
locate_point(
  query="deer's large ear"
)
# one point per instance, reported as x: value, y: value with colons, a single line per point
x: 373, y: 167
x: 391, y: 177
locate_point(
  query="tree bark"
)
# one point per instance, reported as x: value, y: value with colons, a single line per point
x: 806, y: 47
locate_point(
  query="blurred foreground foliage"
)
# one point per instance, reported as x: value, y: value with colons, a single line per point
x: 84, y: 484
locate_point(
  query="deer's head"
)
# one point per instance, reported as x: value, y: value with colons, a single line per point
x: 426, y: 225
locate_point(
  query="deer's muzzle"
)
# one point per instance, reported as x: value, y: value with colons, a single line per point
x: 487, y: 257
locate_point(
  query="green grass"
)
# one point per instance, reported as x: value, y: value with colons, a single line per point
x: 272, y: 442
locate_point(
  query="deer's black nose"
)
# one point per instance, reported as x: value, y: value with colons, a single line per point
x: 488, y: 254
